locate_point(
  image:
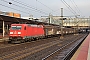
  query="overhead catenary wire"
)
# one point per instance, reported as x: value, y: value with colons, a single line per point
x: 29, y: 6
x: 46, y: 6
x: 20, y: 6
x: 77, y: 7
x: 69, y: 7
x: 35, y: 10
x: 16, y: 5
x: 14, y: 9
x: 74, y: 6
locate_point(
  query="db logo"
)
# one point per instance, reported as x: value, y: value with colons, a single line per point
x: 15, y: 32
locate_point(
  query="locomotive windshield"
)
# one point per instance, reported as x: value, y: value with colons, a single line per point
x: 16, y: 27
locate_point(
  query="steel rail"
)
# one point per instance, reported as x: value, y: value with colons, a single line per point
x: 74, y: 48
x: 62, y: 48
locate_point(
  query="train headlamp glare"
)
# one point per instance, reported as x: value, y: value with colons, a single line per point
x: 11, y: 32
x: 19, y: 32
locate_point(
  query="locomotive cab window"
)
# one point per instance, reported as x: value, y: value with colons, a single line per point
x: 16, y: 27
x: 25, y: 28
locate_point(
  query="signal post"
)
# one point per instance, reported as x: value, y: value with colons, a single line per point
x: 61, y: 37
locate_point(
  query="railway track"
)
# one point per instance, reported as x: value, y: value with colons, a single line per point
x: 16, y: 47
x: 38, y: 50
x: 31, y: 50
x: 65, y: 52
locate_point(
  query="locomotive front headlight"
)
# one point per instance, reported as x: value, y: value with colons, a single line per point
x: 19, y: 32
x: 11, y: 32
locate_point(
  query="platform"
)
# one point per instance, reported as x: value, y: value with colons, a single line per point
x: 5, y: 38
x: 83, y: 52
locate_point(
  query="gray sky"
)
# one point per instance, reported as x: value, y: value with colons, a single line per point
x: 39, y: 8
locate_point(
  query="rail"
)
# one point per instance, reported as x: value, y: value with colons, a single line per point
x: 68, y: 55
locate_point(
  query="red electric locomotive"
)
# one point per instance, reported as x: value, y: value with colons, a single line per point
x: 23, y: 32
